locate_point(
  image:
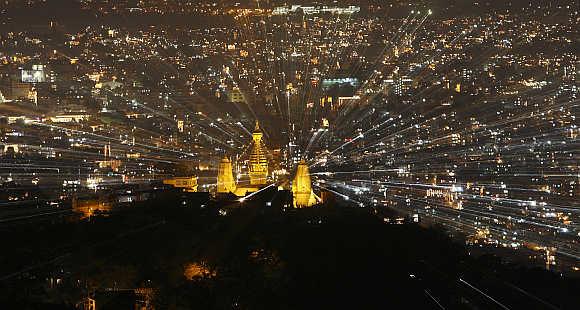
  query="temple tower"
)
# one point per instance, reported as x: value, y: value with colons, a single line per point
x: 225, y: 180
x: 302, y: 187
x: 258, y: 159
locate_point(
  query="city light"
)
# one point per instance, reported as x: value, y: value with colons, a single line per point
x: 461, y: 117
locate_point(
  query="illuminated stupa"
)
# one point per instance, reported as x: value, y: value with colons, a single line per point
x: 258, y: 160
x: 225, y: 179
x: 302, y: 187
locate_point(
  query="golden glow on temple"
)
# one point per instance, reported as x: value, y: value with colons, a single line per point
x: 258, y: 160
x: 302, y: 187
x: 257, y: 169
x: 225, y: 180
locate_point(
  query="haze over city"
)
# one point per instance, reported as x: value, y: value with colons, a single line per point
x: 172, y: 154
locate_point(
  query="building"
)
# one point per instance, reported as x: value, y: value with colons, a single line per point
x: 188, y: 184
x: 36, y: 74
x: 302, y: 193
x: 70, y: 118
x: 328, y: 83
x: 236, y: 96
x: 399, y: 85
x: 225, y: 179
x: 346, y: 100
x: 15, y: 90
x: 86, y: 304
x: 257, y: 170
x: 113, y: 164
x: 258, y: 160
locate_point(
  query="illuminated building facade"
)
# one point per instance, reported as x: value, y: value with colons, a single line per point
x: 225, y: 180
x: 328, y: 83
x: 236, y: 96
x: 180, y: 125
x: 189, y: 184
x: 258, y: 160
x: 302, y: 187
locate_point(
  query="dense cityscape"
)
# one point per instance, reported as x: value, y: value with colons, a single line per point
x: 216, y: 140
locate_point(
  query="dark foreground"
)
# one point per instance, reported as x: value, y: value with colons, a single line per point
x: 185, y: 256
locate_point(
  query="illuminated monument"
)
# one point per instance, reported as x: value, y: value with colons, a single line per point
x: 302, y: 188
x: 257, y: 169
x: 225, y: 180
x: 258, y: 160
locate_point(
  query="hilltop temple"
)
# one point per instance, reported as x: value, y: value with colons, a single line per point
x: 227, y: 184
x: 257, y: 169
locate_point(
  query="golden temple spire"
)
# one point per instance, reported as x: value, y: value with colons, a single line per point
x: 225, y: 180
x: 258, y: 159
x: 302, y: 187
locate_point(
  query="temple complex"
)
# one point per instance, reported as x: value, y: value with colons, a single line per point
x: 257, y: 169
x: 257, y: 172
